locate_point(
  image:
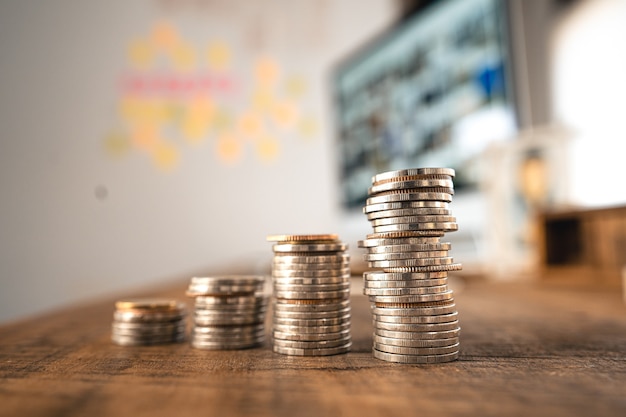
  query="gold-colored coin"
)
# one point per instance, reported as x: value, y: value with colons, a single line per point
x: 159, y: 304
x: 302, y: 238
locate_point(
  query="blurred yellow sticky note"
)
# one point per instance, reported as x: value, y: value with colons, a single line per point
x: 267, y: 148
x: 144, y: 136
x: 219, y: 56
x: 251, y: 124
x: 116, y: 144
x: 266, y: 71
x: 164, y: 35
x: 140, y: 53
x: 165, y: 156
x: 229, y: 149
x: 285, y: 113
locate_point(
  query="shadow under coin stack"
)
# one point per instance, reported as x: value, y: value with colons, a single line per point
x: 414, y: 314
x: 311, y: 282
x: 147, y: 321
x: 229, y: 311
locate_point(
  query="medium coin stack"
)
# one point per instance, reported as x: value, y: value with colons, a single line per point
x: 148, y: 321
x: 229, y: 311
x: 311, y: 282
x: 414, y: 314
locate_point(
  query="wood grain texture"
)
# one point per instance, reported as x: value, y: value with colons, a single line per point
x: 525, y: 350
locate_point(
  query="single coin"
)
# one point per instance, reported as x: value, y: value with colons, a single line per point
x: 402, y: 263
x: 247, y: 336
x: 195, y: 290
x: 311, y: 306
x: 397, y: 276
x: 416, y: 343
x: 311, y: 281
x: 320, y: 344
x: 133, y: 341
x: 437, y: 289
x: 403, y: 227
x: 284, y: 328
x: 419, y: 351
x: 418, y: 283
x: 444, y: 334
x: 440, y: 318
x: 314, y: 247
x: 145, y: 328
x: 312, y: 352
x: 425, y: 268
x: 416, y: 312
x: 416, y: 211
x: 311, y: 259
x: 416, y: 327
x: 400, y: 205
x: 324, y: 238
x: 309, y: 273
x: 230, y: 330
x: 435, y: 234
x: 330, y: 321
x: 414, y: 359
x: 383, y: 176
x: 404, y: 255
x: 325, y: 266
x: 415, y: 177
x: 446, y: 295
x: 228, y: 320
x: 313, y: 295
x: 312, y: 287
x: 400, y: 248
x: 412, y: 219
x: 395, y: 197
x: 198, y: 344
x: 410, y: 184
x: 248, y: 300
x: 309, y: 336
x: 310, y: 315
x: 226, y: 280
x: 149, y: 304
x: 422, y: 304
x: 148, y: 316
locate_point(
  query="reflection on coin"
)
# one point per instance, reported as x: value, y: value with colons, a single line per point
x: 411, y: 211
x: 313, y: 247
x: 320, y: 344
x: 416, y: 343
x: 302, y: 238
x: 412, y: 172
x: 441, y: 318
x: 312, y: 352
x: 148, y: 304
x: 417, y: 283
x: 310, y: 336
x: 416, y: 327
x: 414, y: 359
x: 445, y: 334
x: 404, y: 255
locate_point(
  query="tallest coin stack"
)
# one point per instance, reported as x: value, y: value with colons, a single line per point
x: 414, y: 314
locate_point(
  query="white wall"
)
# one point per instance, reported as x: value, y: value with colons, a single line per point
x: 77, y: 223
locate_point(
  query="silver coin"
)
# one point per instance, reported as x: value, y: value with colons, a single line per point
x: 133, y: 341
x: 285, y: 328
x: 400, y: 248
x: 320, y: 344
x: 310, y: 295
x: 309, y: 273
x: 217, y: 290
x: 411, y: 211
x: 405, y: 291
x: 229, y: 330
x: 311, y: 281
x: 327, y: 321
x: 232, y: 300
x: 412, y: 220
x: 393, y: 198
x: 228, y: 338
x: 147, y: 331
x: 402, y: 263
x: 413, y: 359
x: 308, y: 315
x: 414, y: 312
x: 228, y: 320
x: 308, y: 259
x: 438, y: 234
x: 199, y: 344
x: 446, y: 295
x: 309, y: 247
x: 444, y: 334
x: 136, y: 316
x: 419, y: 351
x: 410, y: 172
x: 416, y: 343
x: 222, y: 311
x: 312, y: 352
x: 426, y: 268
x: 444, y: 226
x: 416, y: 327
x: 227, y: 280
x: 402, y: 205
x: 390, y: 256
x: 410, y: 276
x: 312, y: 287
x: 310, y: 337
x: 416, y: 283
x: 410, y: 184
x: 309, y: 267
x: 441, y: 318
x: 287, y: 306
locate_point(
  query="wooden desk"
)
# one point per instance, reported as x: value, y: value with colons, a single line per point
x: 526, y: 351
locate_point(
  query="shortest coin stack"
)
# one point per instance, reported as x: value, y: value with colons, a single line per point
x: 229, y: 311
x: 148, y: 321
x: 311, y: 282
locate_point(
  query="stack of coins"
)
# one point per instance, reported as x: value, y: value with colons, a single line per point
x: 311, y: 282
x: 229, y: 311
x: 414, y: 314
x: 148, y: 321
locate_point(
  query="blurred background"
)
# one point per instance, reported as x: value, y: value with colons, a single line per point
x: 145, y: 142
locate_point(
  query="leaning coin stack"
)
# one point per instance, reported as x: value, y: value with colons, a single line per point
x: 414, y: 314
x: 311, y: 282
x: 229, y: 311
x: 147, y: 321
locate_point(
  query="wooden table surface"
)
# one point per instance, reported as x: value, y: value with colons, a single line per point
x: 526, y: 350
